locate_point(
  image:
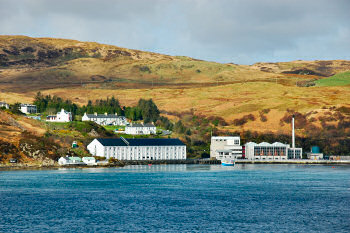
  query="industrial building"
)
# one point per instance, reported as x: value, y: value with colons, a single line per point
x: 274, y: 151
x: 138, y: 149
x: 315, y: 153
x: 225, y: 147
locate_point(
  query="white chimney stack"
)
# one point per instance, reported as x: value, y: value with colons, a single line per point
x: 293, y: 133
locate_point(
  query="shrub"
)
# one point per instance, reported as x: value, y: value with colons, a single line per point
x: 244, y: 120
x: 145, y: 69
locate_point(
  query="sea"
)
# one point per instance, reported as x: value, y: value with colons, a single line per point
x: 177, y: 198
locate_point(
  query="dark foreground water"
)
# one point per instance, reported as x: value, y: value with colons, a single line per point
x: 180, y: 198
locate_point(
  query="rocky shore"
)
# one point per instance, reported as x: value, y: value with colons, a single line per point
x: 36, y: 166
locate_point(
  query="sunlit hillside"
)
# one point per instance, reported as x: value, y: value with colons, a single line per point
x: 82, y: 71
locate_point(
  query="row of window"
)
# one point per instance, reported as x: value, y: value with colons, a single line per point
x: 143, y: 148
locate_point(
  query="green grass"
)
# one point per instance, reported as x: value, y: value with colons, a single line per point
x: 113, y: 127
x: 341, y: 79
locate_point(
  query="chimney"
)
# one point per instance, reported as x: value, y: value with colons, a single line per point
x: 95, y: 113
x: 293, y: 133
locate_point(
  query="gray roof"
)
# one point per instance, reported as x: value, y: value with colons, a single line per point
x: 104, y: 116
x: 140, y: 142
x: 149, y: 125
x: 141, y: 125
x: 136, y: 125
x: 28, y: 105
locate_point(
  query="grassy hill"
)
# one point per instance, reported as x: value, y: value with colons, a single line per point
x: 40, y: 63
x: 341, y: 79
x: 313, y: 68
x: 82, y: 71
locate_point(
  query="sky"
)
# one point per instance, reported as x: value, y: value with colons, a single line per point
x: 237, y: 31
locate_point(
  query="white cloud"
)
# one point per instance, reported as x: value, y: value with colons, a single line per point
x: 239, y: 31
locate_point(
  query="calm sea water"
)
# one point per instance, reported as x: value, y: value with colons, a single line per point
x: 177, y: 198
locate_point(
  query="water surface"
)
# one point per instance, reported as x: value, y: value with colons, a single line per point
x: 181, y: 198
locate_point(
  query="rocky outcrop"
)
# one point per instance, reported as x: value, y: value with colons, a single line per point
x: 36, y: 154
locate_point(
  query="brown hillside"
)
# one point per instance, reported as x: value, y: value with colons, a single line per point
x: 318, y: 68
x: 83, y: 71
x: 39, y: 63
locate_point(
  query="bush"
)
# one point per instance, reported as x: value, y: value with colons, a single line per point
x: 145, y: 69
x: 244, y: 120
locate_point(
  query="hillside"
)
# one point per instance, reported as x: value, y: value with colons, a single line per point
x: 39, y: 143
x: 45, y: 63
x: 316, y: 68
x: 340, y: 79
x: 82, y: 71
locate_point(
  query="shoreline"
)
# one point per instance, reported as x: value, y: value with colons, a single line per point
x: 4, y: 167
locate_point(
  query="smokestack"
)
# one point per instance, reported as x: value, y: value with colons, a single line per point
x: 293, y: 133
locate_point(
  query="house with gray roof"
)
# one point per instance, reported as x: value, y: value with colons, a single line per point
x: 28, y: 108
x: 4, y: 105
x: 105, y: 119
x: 141, y: 129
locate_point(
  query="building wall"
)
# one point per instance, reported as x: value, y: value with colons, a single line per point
x: 146, y: 152
x: 61, y: 116
x: 274, y: 151
x: 28, y: 109
x: 138, y: 152
x: 96, y: 148
x: 2, y: 104
x: 314, y: 156
x: 106, y: 120
x: 225, y: 143
x: 140, y: 130
x: 295, y: 153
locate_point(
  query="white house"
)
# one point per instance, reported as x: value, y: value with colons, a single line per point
x: 138, y: 149
x: 70, y: 161
x: 28, y: 108
x: 225, y: 147
x: 141, y: 129
x: 89, y: 160
x: 274, y: 151
x: 4, y: 105
x: 105, y: 119
x: 61, y: 116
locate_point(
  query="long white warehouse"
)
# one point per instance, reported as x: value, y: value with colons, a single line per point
x: 138, y: 149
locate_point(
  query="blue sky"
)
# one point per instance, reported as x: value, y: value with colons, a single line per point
x: 238, y: 31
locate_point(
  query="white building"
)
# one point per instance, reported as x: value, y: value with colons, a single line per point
x: 70, y: 161
x: 141, y: 129
x: 314, y: 156
x: 28, y: 108
x: 89, y: 161
x: 105, y: 119
x: 274, y: 151
x: 61, y: 116
x: 138, y: 149
x: 225, y: 147
x: 4, y: 105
